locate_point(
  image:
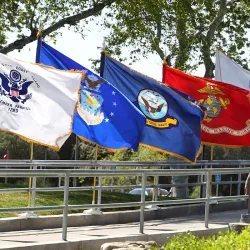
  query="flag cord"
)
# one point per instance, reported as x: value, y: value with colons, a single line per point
x: 31, y: 158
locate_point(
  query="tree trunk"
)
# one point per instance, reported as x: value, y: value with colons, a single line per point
x: 181, y: 192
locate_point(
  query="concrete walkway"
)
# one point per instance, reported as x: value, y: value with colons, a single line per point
x: 92, y: 237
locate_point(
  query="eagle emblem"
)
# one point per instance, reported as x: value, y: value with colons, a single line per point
x: 14, y: 87
x: 152, y: 104
x: 90, y: 106
x: 155, y: 107
x: 213, y: 104
x: 93, y: 84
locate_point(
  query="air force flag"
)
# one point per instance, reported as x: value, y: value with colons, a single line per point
x: 104, y: 116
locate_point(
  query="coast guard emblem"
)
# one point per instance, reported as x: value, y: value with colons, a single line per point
x: 14, y: 87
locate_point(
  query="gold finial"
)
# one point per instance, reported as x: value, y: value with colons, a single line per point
x: 39, y: 34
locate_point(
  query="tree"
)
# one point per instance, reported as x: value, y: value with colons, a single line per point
x: 26, y: 18
x: 20, y: 149
x: 188, y: 30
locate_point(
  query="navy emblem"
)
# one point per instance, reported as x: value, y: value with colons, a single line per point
x: 152, y: 104
x: 155, y: 107
x: 14, y: 87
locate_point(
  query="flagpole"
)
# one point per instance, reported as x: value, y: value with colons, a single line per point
x: 31, y: 158
x: 94, y: 184
x: 155, y: 189
x: 219, y: 63
x: 211, y: 158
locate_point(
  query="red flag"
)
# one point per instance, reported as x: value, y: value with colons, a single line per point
x: 227, y: 121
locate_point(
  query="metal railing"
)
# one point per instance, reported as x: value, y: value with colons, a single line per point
x: 67, y: 170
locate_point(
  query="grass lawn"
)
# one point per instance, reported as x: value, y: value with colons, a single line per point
x: 8, y: 200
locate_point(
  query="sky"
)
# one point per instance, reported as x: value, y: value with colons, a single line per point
x: 81, y: 50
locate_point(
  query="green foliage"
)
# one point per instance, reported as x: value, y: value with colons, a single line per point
x: 144, y: 154
x: 20, y: 149
x: 221, y: 241
x: 9, y: 200
x: 189, y: 31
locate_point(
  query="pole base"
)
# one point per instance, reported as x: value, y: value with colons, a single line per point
x: 93, y: 212
x: 213, y: 202
x: 153, y: 207
x: 28, y: 215
x: 245, y: 218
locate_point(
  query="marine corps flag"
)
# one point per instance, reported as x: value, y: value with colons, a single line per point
x: 37, y: 103
x: 227, y: 120
x: 173, y: 119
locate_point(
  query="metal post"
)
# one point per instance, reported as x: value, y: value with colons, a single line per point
x: 76, y: 158
x: 231, y: 179
x: 217, y: 190
x: 202, y: 178
x: 99, y: 198
x: 33, y: 192
x: 60, y: 181
x: 45, y: 158
x: 143, y: 189
x: 239, y: 184
x: 65, y: 210
x: 248, y: 204
x: 204, y: 181
x: 208, y: 199
x: 156, y: 183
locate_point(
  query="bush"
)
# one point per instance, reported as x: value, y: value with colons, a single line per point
x: 221, y: 241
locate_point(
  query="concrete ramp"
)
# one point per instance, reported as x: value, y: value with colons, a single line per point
x: 92, y: 237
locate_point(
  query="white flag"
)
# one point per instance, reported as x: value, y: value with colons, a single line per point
x: 37, y: 102
x: 230, y: 72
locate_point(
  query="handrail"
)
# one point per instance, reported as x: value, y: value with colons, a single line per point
x: 132, y: 172
x: 93, y: 163
x: 143, y: 173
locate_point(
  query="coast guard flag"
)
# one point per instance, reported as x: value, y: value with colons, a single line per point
x: 37, y: 103
x: 230, y: 72
x: 104, y: 115
x: 173, y: 119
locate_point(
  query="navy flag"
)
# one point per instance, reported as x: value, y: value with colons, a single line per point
x: 104, y: 116
x: 173, y: 118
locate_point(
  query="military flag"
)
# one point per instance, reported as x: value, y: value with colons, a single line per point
x: 104, y: 116
x: 230, y: 72
x: 227, y: 120
x: 37, y: 103
x: 173, y: 119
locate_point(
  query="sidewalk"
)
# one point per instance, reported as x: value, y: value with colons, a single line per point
x: 92, y: 237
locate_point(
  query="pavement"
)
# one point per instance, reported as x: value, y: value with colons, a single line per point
x: 92, y: 237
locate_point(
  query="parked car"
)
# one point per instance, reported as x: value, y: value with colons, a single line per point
x: 149, y: 191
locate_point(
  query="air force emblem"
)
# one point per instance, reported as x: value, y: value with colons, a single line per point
x: 91, y: 102
x: 14, y: 87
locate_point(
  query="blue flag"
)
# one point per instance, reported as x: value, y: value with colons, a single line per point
x: 173, y: 118
x: 104, y: 116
